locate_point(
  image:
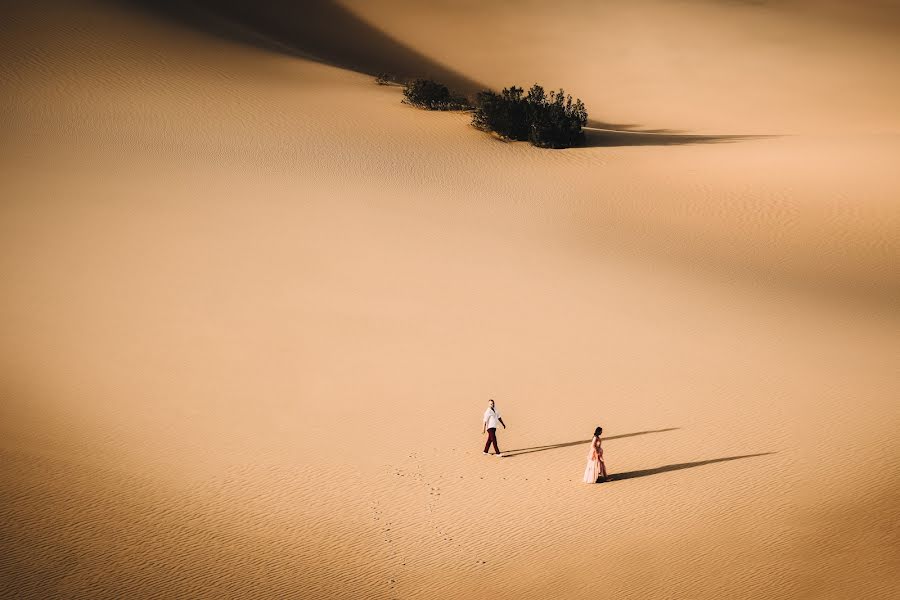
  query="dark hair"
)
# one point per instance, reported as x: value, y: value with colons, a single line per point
x: 598, y: 431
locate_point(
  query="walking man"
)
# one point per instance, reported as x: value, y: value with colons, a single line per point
x: 491, y: 418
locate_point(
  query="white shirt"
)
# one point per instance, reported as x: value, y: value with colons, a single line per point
x: 491, y: 415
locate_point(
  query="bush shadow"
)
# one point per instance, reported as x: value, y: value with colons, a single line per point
x: 595, y: 137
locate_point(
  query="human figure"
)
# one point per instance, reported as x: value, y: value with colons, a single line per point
x: 491, y: 418
x: 595, y: 471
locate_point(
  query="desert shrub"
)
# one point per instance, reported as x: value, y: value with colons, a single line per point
x: 504, y: 113
x: 432, y: 95
x: 554, y: 121
x: 547, y: 121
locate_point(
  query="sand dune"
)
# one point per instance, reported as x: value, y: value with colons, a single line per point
x: 710, y: 66
x: 322, y: 30
x: 253, y: 306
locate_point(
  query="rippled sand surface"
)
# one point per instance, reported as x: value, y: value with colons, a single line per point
x: 253, y: 306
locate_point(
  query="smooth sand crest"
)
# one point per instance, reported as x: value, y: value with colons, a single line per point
x: 253, y: 308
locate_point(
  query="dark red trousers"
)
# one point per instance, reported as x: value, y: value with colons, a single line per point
x: 492, y: 439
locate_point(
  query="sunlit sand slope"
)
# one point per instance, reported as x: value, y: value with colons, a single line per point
x: 253, y: 308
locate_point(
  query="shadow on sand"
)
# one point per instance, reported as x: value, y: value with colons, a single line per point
x: 319, y: 30
x: 599, y: 138
x: 521, y: 451
x: 327, y: 32
x: 678, y: 467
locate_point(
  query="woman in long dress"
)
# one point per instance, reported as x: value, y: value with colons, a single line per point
x: 595, y: 471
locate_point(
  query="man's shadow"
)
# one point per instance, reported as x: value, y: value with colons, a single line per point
x: 678, y: 467
x: 520, y: 451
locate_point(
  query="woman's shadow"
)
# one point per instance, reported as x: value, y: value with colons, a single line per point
x: 678, y: 467
x: 642, y: 472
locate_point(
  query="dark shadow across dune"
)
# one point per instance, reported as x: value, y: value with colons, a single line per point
x: 320, y: 30
x: 627, y: 127
x: 520, y: 451
x: 599, y: 137
x: 678, y: 467
x: 325, y: 31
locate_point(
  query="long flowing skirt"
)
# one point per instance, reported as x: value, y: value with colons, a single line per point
x: 593, y: 470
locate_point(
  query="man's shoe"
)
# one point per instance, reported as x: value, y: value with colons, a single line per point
x: 484, y: 452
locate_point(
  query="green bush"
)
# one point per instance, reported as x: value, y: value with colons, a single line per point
x: 432, y: 95
x: 553, y: 121
x: 504, y: 113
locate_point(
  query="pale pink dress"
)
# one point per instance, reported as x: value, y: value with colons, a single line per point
x: 595, y: 466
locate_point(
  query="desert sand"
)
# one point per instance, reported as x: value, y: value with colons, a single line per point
x: 253, y: 307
